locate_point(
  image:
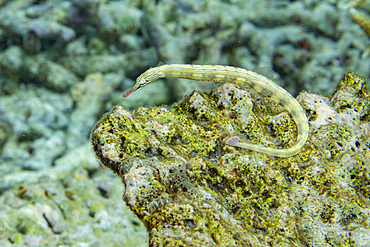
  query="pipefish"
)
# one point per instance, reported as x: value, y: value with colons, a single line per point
x: 239, y: 76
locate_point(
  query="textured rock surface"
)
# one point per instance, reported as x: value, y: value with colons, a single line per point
x: 191, y: 189
x: 80, y: 208
x: 64, y: 64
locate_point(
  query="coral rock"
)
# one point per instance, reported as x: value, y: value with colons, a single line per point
x: 191, y: 189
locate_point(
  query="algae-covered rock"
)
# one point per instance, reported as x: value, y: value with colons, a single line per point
x: 191, y: 189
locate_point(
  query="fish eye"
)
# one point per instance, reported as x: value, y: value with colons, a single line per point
x: 143, y: 82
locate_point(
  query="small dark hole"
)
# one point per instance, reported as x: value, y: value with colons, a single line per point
x: 135, y: 223
x: 103, y: 192
x: 190, y: 224
x: 239, y: 183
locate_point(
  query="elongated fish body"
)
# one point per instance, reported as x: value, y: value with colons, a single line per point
x: 239, y: 76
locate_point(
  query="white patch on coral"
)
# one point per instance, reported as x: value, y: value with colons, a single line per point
x: 123, y: 112
x: 109, y: 151
x: 136, y: 179
x: 196, y: 100
x: 160, y: 130
x: 324, y: 111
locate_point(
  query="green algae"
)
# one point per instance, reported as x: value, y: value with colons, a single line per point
x: 191, y: 189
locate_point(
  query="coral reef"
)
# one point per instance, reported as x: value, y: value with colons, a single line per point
x: 191, y: 189
x: 80, y: 208
x: 216, y: 32
x: 64, y: 64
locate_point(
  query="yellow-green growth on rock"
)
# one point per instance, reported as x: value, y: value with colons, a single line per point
x: 192, y: 189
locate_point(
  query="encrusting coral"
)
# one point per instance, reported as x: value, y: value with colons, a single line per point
x: 192, y: 189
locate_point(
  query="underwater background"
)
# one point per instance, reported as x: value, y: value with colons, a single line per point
x: 64, y: 64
